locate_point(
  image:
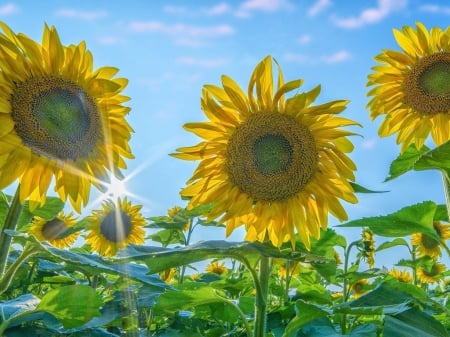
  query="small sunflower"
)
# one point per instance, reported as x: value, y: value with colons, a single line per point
x: 55, y: 231
x: 368, y: 247
x: 216, y: 268
x: 288, y: 269
x: 59, y: 118
x: 401, y: 275
x: 359, y: 287
x: 427, y: 245
x: 115, y: 226
x: 431, y: 274
x: 277, y: 165
x: 173, y: 212
x: 168, y: 275
x: 412, y: 87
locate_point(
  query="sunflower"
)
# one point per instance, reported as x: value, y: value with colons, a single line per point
x: 59, y: 118
x: 55, y: 231
x: 115, y: 226
x: 359, y: 287
x: 174, y: 214
x: 168, y: 275
x: 277, y: 165
x: 368, y: 247
x: 401, y: 275
x: 431, y: 274
x: 216, y: 268
x: 427, y: 245
x: 412, y: 87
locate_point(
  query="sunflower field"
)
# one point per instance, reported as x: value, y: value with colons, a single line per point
x: 270, y: 160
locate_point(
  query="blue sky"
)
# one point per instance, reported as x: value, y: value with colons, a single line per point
x: 169, y: 49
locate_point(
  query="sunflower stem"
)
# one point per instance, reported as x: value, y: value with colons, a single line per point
x: 261, y: 297
x: 445, y: 180
x: 10, y: 223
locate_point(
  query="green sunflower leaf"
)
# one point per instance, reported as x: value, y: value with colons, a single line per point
x: 306, y: 313
x: 420, y: 160
x: 159, y: 259
x: 361, y: 189
x: 393, y: 243
x: 417, y: 218
x: 73, y: 305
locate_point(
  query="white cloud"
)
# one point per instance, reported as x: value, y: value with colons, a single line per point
x: 340, y: 56
x: 83, y: 15
x: 183, y: 34
x: 369, y: 143
x: 219, y: 9
x: 262, y: 5
x: 8, y: 9
x: 337, y: 57
x: 372, y: 15
x: 304, y: 39
x: 435, y: 9
x: 108, y: 40
x: 319, y: 6
x: 205, y: 63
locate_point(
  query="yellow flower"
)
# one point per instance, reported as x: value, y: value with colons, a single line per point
x: 277, y: 165
x: 115, y: 226
x: 55, y: 231
x: 59, y: 118
x: 412, y: 87
x: 368, y: 247
x: 359, y: 287
x: 427, y: 245
x: 293, y: 266
x: 216, y: 268
x: 168, y: 275
x: 431, y: 274
x: 173, y: 212
x: 401, y: 275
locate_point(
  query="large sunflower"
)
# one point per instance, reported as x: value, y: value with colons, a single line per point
x: 115, y: 226
x: 59, y: 118
x: 55, y: 231
x: 432, y: 273
x: 412, y: 87
x: 276, y: 165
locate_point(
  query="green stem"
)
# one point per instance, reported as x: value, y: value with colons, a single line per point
x: 261, y: 297
x: 10, y: 224
x: 241, y: 314
x: 445, y: 180
x: 346, y: 289
x: 28, y: 251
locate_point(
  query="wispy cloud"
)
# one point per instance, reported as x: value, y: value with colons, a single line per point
x: 8, y: 9
x: 249, y: 6
x: 371, y: 15
x: 304, y: 39
x: 108, y: 40
x: 204, y: 63
x: 432, y: 8
x: 83, y: 15
x: 183, y: 34
x: 319, y: 6
x: 337, y: 57
x: 219, y: 9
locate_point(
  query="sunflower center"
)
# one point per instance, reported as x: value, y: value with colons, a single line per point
x: 116, y: 226
x: 428, y: 242
x: 427, y: 84
x: 55, y: 118
x: 271, y: 156
x: 54, y: 229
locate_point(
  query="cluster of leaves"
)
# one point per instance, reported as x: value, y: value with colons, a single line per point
x: 161, y: 289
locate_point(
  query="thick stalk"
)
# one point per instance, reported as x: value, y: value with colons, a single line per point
x: 261, y: 297
x: 446, y: 183
x: 10, y: 224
